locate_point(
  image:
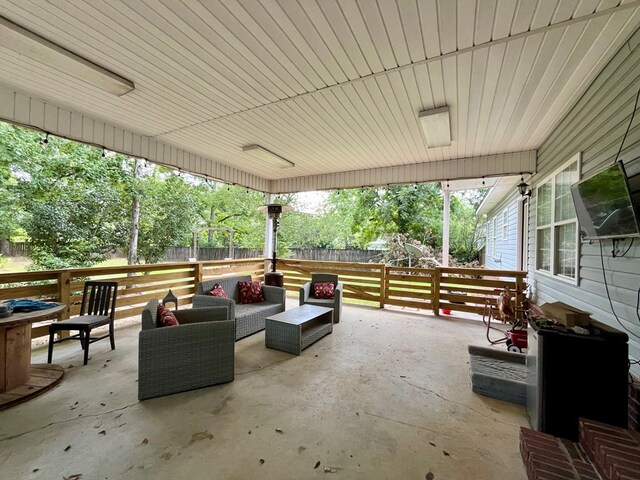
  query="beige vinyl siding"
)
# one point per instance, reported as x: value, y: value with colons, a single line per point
x: 595, y: 127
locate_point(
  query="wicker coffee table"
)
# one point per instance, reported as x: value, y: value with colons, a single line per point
x: 294, y: 330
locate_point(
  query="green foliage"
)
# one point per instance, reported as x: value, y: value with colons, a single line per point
x: 69, y: 198
x: 222, y: 206
x: 168, y: 211
x: 74, y: 205
x: 413, y: 211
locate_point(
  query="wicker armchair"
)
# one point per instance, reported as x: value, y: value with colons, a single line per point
x: 335, y: 302
x: 250, y: 318
x: 197, y: 353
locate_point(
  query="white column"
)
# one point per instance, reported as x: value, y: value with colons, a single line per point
x: 445, y: 228
x: 268, y: 232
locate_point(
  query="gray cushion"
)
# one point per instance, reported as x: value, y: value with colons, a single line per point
x: 499, y: 374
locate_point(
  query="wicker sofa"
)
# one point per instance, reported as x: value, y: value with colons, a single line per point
x: 250, y: 318
x: 197, y: 353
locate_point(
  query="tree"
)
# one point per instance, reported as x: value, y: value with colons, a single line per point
x: 413, y: 211
x: 70, y: 197
x: 168, y: 212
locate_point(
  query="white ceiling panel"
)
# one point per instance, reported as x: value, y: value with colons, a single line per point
x: 332, y: 85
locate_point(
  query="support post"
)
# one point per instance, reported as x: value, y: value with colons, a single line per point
x: 64, y: 297
x: 268, y: 234
x: 445, y: 228
x: 197, y: 275
x: 435, y: 291
x: 383, y: 284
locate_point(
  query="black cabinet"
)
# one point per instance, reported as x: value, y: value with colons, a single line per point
x: 572, y: 376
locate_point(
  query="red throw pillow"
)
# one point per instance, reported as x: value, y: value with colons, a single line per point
x: 323, y: 290
x: 218, y: 291
x: 250, y: 292
x: 166, y: 318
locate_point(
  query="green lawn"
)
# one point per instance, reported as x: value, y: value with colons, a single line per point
x: 21, y: 264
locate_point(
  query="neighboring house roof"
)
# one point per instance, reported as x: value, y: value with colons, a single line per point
x: 503, y: 187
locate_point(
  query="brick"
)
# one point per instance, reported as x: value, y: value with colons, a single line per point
x: 546, y: 465
x: 601, y: 428
x: 612, y: 463
x: 623, y: 473
x: 558, y: 455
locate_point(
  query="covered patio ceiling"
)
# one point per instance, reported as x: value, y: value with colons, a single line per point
x: 333, y: 86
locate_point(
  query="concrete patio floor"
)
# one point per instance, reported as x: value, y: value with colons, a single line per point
x: 386, y: 396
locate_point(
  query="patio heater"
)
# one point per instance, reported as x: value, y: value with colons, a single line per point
x: 274, y: 211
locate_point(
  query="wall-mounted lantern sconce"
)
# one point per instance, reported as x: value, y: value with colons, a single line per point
x: 523, y: 188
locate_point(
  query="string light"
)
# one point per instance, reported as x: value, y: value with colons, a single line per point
x: 104, y: 154
x: 45, y: 140
x: 483, y: 180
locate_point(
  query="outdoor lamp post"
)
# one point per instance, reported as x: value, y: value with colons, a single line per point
x: 274, y: 211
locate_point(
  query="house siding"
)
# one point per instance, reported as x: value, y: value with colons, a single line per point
x: 506, y: 250
x: 595, y: 128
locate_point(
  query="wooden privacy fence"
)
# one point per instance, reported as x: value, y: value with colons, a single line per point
x: 137, y: 284
x: 455, y: 289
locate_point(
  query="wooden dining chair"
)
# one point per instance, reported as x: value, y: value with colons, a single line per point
x: 97, y: 309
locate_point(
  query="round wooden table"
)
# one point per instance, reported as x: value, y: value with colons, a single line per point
x: 19, y: 380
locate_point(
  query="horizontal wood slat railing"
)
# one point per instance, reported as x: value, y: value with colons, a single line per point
x: 454, y: 289
x: 137, y: 284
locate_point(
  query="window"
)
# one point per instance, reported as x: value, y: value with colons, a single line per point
x: 494, y: 230
x: 491, y: 237
x: 505, y: 224
x: 556, y: 225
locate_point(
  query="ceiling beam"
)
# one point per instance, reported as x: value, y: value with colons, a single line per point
x: 504, y: 164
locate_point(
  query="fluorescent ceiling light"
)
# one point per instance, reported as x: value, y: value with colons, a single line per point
x: 269, y: 157
x: 29, y: 44
x: 436, y: 126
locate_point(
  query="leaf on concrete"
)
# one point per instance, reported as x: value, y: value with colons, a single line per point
x: 75, y: 476
x: 301, y: 448
x: 317, y: 464
x: 196, y: 437
x: 145, y: 441
x: 261, y: 461
x: 429, y: 476
x: 102, y: 432
x: 67, y: 448
x: 279, y: 430
x: 446, y: 454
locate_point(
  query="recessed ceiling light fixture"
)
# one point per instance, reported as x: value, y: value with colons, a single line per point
x: 436, y: 126
x: 269, y: 157
x: 29, y: 44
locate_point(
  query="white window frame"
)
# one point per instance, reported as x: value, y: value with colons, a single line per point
x: 577, y: 158
x: 494, y: 240
x: 505, y: 224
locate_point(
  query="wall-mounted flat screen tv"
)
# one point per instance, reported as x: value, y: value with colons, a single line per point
x: 604, y: 205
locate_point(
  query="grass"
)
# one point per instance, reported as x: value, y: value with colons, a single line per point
x: 21, y: 264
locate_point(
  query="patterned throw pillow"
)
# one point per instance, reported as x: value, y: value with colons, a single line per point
x: 218, y: 291
x: 250, y: 292
x: 323, y: 290
x: 166, y: 318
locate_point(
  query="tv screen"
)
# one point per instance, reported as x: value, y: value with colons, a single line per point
x: 604, y: 206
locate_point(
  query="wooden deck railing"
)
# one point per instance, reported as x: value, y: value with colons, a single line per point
x: 455, y: 289
x: 137, y: 283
